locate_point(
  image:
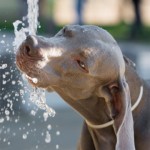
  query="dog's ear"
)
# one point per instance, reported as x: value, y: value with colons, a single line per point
x: 123, y: 121
x: 118, y: 100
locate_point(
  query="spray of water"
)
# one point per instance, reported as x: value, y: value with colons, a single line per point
x: 31, y: 29
x: 12, y: 89
x: 37, y: 96
x: 33, y: 13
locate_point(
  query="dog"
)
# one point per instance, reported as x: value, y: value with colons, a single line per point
x: 86, y: 67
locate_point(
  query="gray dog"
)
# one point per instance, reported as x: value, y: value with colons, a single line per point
x: 85, y: 66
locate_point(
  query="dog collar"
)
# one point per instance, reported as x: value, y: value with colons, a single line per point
x: 112, y: 121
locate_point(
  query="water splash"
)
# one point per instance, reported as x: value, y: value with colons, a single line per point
x: 48, y: 137
x: 33, y: 13
x: 2, y: 120
x: 3, y: 66
x: 31, y: 29
x: 37, y: 95
x: 57, y: 146
x: 34, y: 80
x: 24, y: 136
x: 20, y: 35
x: 10, y: 113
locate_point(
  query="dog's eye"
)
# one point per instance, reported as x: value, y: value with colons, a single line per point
x: 82, y: 65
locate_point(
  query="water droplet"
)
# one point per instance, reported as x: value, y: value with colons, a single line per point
x: 13, y: 82
x: 4, y: 82
x: 35, y: 80
x: 16, y: 120
x: 2, y: 42
x: 33, y: 112
x: 5, y: 97
x: 57, y: 146
x: 1, y: 120
x: 16, y: 94
x: 21, y: 92
x: 14, y: 134
x: 42, y: 134
x: 49, y: 127
x: 7, y: 118
x: 36, y: 146
x: 24, y: 136
x: 3, y: 66
x: 4, y: 76
x: 7, y: 112
x: 4, y: 140
x: 23, y: 101
x: 45, y: 115
x: 48, y: 137
x: 58, y: 133
x: 6, y: 73
x: 8, y: 130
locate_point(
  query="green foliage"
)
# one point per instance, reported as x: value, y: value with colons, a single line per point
x: 6, y: 26
x: 123, y: 31
x: 119, y: 31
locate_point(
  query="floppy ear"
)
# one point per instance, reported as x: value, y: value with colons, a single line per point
x: 118, y: 100
x: 123, y: 122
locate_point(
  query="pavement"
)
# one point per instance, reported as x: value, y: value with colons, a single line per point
x: 30, y: 129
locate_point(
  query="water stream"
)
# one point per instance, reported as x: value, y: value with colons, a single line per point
x: 37, y: 96
x: 12, y: 88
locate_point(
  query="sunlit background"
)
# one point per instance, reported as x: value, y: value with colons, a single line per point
x: 22, y: 124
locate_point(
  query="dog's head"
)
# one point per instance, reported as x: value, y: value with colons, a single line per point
x: 81, y: 61
x: 77, y: 59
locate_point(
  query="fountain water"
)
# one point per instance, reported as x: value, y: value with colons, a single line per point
x: 37, y: 95
x: 28, y: 130
x: 31, y: 29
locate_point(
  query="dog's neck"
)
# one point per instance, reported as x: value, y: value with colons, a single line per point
x: 94, y: 109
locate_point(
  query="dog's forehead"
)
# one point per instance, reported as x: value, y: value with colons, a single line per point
x: 88, y: 41
x: 91, y: 32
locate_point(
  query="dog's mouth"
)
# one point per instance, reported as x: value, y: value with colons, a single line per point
x: 31, y: 67
x: 38, y: 63
x: 33, y: 77
x: 36, y: 77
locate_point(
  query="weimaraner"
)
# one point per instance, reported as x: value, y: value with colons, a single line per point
x: 86, y: 67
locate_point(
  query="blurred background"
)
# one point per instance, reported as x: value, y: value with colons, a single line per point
x: 22, y: 124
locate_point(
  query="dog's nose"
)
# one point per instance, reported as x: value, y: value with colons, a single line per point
x: 30, y: 45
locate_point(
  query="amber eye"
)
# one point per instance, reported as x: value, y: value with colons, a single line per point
x: 82, y: 65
